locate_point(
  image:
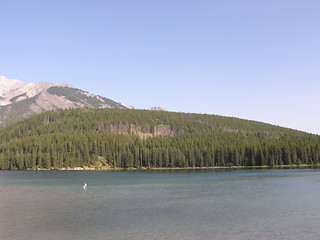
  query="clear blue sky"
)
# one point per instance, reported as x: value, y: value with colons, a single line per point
x: 252, y: 59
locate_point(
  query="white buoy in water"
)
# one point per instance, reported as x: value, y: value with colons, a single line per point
x: 85, y: 185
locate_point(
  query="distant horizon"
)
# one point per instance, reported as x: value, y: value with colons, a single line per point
x: 255, y: 60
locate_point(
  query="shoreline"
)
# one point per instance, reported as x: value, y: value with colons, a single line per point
x: 173, y: 168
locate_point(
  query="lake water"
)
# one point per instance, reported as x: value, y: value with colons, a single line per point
x: 176, y: 204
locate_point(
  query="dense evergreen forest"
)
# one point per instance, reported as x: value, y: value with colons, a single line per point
x: 109, y: 138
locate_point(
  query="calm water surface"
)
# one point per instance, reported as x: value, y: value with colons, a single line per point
x: 184, y: 204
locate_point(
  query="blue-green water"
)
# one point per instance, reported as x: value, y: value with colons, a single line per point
x: 198, y: 204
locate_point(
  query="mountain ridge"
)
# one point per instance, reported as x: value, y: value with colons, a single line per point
x: 19, y: 100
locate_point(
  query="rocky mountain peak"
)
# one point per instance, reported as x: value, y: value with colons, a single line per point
x: 19, y: 100
x: 157, y: 109
x: 7, y: 84
x: 12, y: 90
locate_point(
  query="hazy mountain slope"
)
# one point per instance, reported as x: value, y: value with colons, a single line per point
x: 20, y: 100
x: 7, y: 85
x: 14, y: 90
x: 83, y: 99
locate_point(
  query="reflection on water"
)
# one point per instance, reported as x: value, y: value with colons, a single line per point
x: 204, y: 204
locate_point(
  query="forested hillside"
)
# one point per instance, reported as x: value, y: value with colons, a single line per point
x: 109, y: 138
